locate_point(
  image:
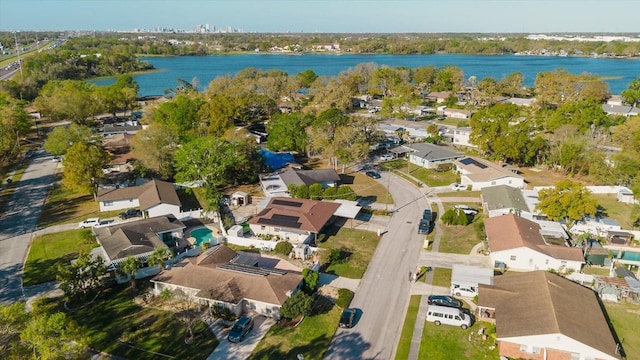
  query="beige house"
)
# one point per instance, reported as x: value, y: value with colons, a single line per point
x: 239, y: 281
x: 522, y: 245
x: 480, y: 173
x: 543, y: 316
x: 154, y: 197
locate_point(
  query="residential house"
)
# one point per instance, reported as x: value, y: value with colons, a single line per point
x: 597, y: 226
x: 480, y: 173
x: 239, y: 281
x: 624, y: 110
x: 427, y: 155
x: 542, y: 316
x: 504, y: 199
x: 277, y: 183
x: 118, y: 146
x: 438, y: 96
x: 112, y: 130
x: 154, y: 198
x: 139, y: 239
x: 522, y: 245
x: 461, y: 137
x: 520, y: 101
x: 457, y: 113
x: 614, y: 100
x: 465, y: 279
x: 295, y: 220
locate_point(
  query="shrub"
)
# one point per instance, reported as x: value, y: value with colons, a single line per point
x: 449, y: 217
x: 205, y: 245
x: 298, y: 304
x: 335, y: 256
x: 330, y: 192
x: 345, y: 192
x: 302, y: 192
x: 310, y: 278
x: 283, y: 247
x: 344, y: 298
x: 315, y: 192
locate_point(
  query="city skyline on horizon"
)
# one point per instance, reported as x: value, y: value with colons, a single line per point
x: 354, y: 16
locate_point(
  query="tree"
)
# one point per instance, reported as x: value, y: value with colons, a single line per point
x: 83, y: 278
x: 569, y: 201
x: 512, y: 85
x: 68, y: 100
x: 61, y: 138
x: 448, y: 78
x: 310, y: 280
x: 424, y: 76
x: 158, y: 257
x: 216, y: 162
x: 130, y: 267
x: 306, y: 78
x: 14, y: 125
x: 287, y: 132
x: 584, y: 114
x: 283, y: 248
x: 83, y: 167
x: 181, y: 115
x: 155, y: 147
x: 53, y: 337
x: 13, y: 319
x: 631, y: 94
x: 297, y: 305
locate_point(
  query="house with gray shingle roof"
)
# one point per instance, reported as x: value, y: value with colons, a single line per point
x: 503, y: 199
x: 428, y: 155
x: 154, y: 197
x: 624, y: 110
x: 239, y: 281
x: 277, y: 183
x: 540, y: 315
x: 138, y: 238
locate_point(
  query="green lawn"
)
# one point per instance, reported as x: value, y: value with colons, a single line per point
x: 446, y: 342
x: 50, y: 250
x: 115, y: 317
x: 311, y: 338
x: 432, y: 177
x: 625, y: 318
x: 441, y: 277
x: 460, y: 239
x: 367, y: 188
x: 621, y: 212
x: 65, y: 206
x: 357, y: 248
x: 404, y: 345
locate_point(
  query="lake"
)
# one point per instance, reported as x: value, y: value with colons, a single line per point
x: 618, y: 73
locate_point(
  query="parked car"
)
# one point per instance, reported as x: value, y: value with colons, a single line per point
x: 444, y: 300
x: 347, y: 317
x: 458, y: 187
x: 466, y: 209
x: 373, y: 174
x: 129, y: 213
x: 467, y: 291
x: 240, y: 329
x: 449, y: 316
x: 90, y: 222
x: 387, y: 157
x: 424, y: 226
x: 427, y: 214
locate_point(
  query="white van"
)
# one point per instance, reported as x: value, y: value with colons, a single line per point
x: 463, y: 290
x: 448, y: 316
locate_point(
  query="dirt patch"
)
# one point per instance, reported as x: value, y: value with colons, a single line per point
x: 329, y: 292
x: 546, y: 177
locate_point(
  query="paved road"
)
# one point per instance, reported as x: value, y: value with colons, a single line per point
x: 383, y: 293
x: 18, y: 219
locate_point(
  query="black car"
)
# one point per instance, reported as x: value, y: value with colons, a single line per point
x: 240, y: 329
x: 347, y: 317
x: 444, y: 300
x: 427, y: 214
x: 424, y: 226
x: 130, y: 213
x: 373, y: 174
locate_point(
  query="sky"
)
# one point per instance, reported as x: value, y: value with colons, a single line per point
x: 326, y: 16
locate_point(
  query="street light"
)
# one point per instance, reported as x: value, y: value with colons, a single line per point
x: 15, y: 37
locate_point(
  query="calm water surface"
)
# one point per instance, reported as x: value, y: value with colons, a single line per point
x: 619, y: 72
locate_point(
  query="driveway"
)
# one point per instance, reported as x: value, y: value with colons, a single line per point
x: 239, y: 351
x: 384, y: 289
x: 18, y: 219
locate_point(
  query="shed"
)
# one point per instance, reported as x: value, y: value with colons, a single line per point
x: 596, y: 254
x: 240, y: 198
x: 470, y: 276
x: 302, y: 251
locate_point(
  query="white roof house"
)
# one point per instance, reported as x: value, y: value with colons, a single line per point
x: 479, y: 173
x: 461, y: 137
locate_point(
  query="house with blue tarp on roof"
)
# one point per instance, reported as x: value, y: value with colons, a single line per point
x: 276, y: 161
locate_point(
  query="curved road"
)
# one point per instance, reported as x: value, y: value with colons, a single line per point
x: 384, y: 291
x: 18, y: 219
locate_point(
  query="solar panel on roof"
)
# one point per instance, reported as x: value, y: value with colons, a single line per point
x: 281, y: 220
x: 251, y: 270
x: 470, y: 161
x: 286, y: 203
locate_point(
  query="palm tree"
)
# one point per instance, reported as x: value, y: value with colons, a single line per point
x: 130, y: 266
x: 158, y: 257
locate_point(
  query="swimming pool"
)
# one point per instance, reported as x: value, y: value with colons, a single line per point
x: 203, y: 235
x: 632, y: 256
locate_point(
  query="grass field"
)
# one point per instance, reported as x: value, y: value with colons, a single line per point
x: 149, y: 333
x: 311, y: 338
x: 356, y: 246
x: 625, y: 318
x: 625, y: 214
x: 64, y: 206
x: 404, y: 345
x: 446, y: 342
x: 367, y: 188
x: 50, y: 250
x: 441, y: 277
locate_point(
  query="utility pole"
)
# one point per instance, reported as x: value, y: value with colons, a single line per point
x: 15, y: 37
